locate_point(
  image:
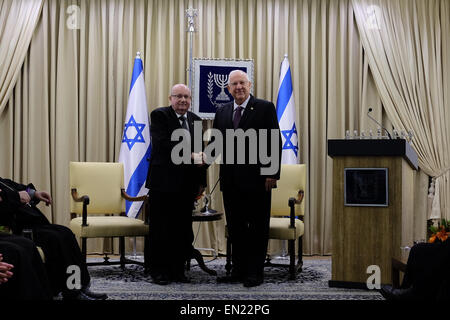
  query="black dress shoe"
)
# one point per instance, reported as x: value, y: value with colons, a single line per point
x: 181, y: 278
x: 77, y: 296
x: 253, y: 282
x: 390, y: 293
x: 229, y: 279
x: 161, y: 279
x: 95, y: 295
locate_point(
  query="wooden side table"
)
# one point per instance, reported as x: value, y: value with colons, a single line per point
x: 399, y: 264
x: 199, y: 217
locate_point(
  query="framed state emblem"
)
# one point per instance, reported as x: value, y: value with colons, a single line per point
x: 210, y: 83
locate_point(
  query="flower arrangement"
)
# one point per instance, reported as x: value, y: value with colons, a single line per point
x: 440, y: 233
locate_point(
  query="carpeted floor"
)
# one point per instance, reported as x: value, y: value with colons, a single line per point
x: 311, y: 284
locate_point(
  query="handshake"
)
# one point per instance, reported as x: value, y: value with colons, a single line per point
x: 199, y: 158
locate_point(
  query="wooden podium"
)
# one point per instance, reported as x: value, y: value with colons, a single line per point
x: 373, y: 186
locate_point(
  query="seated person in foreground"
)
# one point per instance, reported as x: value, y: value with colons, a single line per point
x: 22, y: 272
x: 427, y: 274
x: 18, y: 211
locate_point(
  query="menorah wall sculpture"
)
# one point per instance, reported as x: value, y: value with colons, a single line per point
x: 209, y: 73
x: 221, y: 81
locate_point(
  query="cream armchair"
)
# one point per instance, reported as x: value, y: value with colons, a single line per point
x: 97, y: 206
x: 288, y: 209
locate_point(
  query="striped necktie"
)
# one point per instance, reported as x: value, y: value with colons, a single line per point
x: 183, y: 122
x: 237, y: 117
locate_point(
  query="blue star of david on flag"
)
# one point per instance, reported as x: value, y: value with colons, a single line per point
x: 139, y: 138
x: 288, y: 144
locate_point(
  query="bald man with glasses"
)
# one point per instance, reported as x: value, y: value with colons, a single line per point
x: 173, y: 189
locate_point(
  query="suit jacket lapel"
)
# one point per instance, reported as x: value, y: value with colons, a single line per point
x: 229, y: 116
x: 190, y: 123
x: 173, y: 117
x: 248, y: 113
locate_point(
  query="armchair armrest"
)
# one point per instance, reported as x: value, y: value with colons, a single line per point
x: 85, y: 200
x: 130, y: 198
x: 141, y: 198
x: 292, y: 203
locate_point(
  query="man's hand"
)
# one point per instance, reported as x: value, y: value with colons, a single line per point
x: 199, y: 158
x: 196, y: 158
x: 24, y: 197
x: 5, y: 272
x: 44, y: 196
x: 270, y: 184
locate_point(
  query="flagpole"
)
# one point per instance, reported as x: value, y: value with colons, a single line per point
x: 284, y: 254
x: 191, y: 13
x: 135, y: 148
x: 138, y: 56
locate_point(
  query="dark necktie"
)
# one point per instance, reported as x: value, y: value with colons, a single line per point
x: 237, y: 117
x: 183, y: 122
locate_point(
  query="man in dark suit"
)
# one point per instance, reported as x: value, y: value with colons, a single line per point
x: 18, y: 210
x: 173, y: 187
x: 245, y: 184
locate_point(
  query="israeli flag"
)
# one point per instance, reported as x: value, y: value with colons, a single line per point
x: 286, y: 115
x: 135, y: 148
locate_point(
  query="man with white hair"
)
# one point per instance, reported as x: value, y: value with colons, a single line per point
x: 245, y: 186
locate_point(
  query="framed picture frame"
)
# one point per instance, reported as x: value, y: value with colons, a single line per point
x: 366, y: 187
x: 210, y: 81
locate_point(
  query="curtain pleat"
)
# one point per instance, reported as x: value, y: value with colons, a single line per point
x: 17, y: 22
x: 408, y: 50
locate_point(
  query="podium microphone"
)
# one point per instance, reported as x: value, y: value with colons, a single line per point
x: 368, y: 114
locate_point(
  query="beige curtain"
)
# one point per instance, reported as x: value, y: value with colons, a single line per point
x: 17, y: 22
x: 70, y: 100
x: 408, y: 50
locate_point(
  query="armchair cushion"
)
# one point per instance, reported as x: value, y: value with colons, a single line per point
x: 102, y: 182
x: 109, y: 226
x: 292, y: 180
x: 279, y: 229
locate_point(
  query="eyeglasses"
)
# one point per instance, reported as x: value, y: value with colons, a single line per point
x: 234, y: 84
x: 180, y: 96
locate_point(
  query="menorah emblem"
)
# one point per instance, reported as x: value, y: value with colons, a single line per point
x: 221, y: 81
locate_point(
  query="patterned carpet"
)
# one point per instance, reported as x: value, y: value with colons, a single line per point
x: 311, y: 284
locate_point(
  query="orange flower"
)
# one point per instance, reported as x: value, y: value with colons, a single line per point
x: 442, y: 234
x: 432, y: 239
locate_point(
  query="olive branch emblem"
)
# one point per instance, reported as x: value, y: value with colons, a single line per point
x: 210, y: 87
